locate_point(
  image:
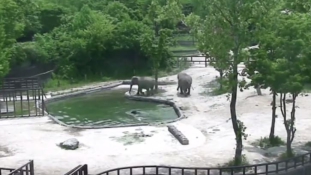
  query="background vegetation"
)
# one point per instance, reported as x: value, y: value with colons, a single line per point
x: 94, y: 40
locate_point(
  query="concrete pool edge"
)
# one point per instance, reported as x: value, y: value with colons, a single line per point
x: 108, y: 87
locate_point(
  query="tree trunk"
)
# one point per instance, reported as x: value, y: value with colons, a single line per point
x: 258, y: 90
x: 289, y: 151
x: 288, y: 125
x: 271, y: 136
x: 156, y: 80
x: 238, y: 134
x: 221, y: 75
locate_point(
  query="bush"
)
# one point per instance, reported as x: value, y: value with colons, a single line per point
x: 233, y: 163
x: 308, y: 144
x: 285, y: 156
x: 265, y: 142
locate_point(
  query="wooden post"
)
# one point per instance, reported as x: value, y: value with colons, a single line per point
x: 205, y: 61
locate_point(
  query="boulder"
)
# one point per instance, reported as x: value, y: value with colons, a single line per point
x: 70, y: 144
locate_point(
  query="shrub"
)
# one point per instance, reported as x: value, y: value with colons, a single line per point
x: 265, y: 142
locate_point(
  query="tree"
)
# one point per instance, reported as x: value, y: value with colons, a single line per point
x: 156, y: 43
x: 293, y: 47
x: 214, y: 48
x: 11, y: 28
x: 281, y: 62
x: 228, y: 21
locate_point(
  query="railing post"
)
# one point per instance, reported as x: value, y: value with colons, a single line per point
x: 32, y: 169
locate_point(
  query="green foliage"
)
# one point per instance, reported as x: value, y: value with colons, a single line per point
x: 93, y: 38
x: 223, y: 31
x: 308, y: 144
x: 241, y: 162
x: 285, y: 156
x: 265, y: 142
x: 222, y: 87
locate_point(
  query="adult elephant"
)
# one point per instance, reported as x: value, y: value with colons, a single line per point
x: 147, y: 83
x: 184, y: 83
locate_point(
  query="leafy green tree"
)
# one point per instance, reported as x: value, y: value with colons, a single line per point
x: 228, y: 22
x: 293, y: 36
x: 281, y: 62
x: 12, y: 25
x: 156, y: 43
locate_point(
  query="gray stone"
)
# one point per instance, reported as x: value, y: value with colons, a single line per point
x: 70, y: 144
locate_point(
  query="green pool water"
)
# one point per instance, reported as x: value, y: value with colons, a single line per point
x: 108, y: 107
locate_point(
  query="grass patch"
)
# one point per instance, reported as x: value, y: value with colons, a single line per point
x: 308, y: 144
x: 265, y: 142
x: 215, y: 89
x: 23, y: 108
x: 285, y: 156
x: 183, y: 38
x: 59, y: 84
x: 233, y: 163
x: 182, y: 48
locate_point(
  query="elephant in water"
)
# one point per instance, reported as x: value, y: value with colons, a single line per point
x: 147, y: 83
x: 184, y: 83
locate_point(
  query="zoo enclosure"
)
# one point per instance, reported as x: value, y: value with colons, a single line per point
x: 20, y: 97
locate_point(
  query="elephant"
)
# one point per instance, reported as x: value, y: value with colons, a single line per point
x: 184, y: 83
x: 147, y: 83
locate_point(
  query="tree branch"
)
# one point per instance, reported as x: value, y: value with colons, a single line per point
x: 223, y: 15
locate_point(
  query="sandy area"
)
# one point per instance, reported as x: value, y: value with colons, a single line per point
x: 207, y: 127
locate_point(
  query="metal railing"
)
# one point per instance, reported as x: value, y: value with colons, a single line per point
x: 79, y: 170
x: 26, y: 169
x: 264, y: 168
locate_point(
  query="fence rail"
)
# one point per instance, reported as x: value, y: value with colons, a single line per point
x: 26, y: 169
x: 79, y: 170
x: 265, y: 168
x: 20, y: 97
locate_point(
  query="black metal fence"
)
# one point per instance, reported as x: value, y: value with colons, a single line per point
x: 299, y: 165
x: 26, y: 169
x: 20, y: 97
x: 79, y: 170
x: 281, y: 167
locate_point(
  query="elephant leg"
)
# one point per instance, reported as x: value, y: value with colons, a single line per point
x: 139, y: 91
x: 152, y: 90
x: 189, y: 90
x: 148, y: 92
x: 181, y: 90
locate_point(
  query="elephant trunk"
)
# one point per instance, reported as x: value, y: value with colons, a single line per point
x: 130, y: 88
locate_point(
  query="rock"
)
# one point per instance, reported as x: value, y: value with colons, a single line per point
x: 70, y: 144
x: 135, y: 112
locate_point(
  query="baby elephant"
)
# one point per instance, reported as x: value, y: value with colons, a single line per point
x: 184, y: 83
